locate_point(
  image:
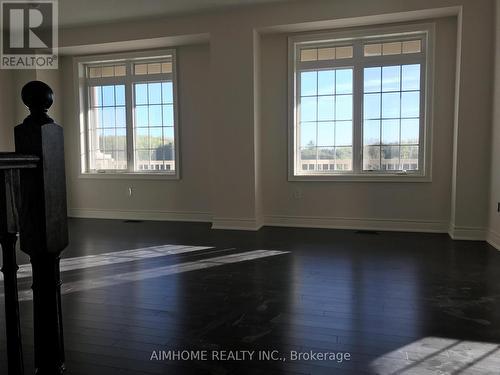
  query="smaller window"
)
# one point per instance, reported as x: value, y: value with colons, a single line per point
x: 130, y: 115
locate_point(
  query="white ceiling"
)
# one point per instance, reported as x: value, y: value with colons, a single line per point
x: 88, y: 12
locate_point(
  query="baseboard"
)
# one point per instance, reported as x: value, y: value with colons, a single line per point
x: 140, y: 215
x: 236, y: 223
x: 467, y: 233
x: 494, y: 239
x: 357, y: 223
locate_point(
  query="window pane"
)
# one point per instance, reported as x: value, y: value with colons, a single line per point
x: 166, y: 67
x: 390, y: 105
x: 108, y: 71
x: 94, y: 72
x: 168, y: 115
x: 326, y: 53
x: 308, y: 153
x: 96, y: 96
x: 96, y: 118
x: 371, y: 158
x: 371, y: 132
x: 308, y: 109
x: 120, y: 117
x: 326, y: 106
x: 141, y: 116
x: 343, y: 158
x: 142, y: 138
x: 410, y: 104
x: 108, y: 117
x: 167, y: 92
x: 108, y: 95
x: 343, y: 133
x: 373, y: 49
x: 409, y: 157
x: 155, y: 118
x: 154, y: 68
x: 121, y: 139
x: 141, y: 68
x: 141, y: 93
x: 308, y: 83
x: 343, y: 107
x: 390, y: 132
x: 390, y: 157
x: 371, y: 106
x: 326, y: 153
x: 154, y: 93
x: 343, y: 52
x: 372, y: 79
x: 393, y: 48
x: 411, y: 77
x: 343, y: 81
x: 326, y: 134
x: 308, y: 134
x: 119, y: 70
x: 412, y: 46
x: 326, y: 82
x: 391, y: 78
x: 309, y: 54
x: 410, y: 131
x: 120, y: 94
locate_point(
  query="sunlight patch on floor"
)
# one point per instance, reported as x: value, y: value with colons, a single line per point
x: 436, y: 355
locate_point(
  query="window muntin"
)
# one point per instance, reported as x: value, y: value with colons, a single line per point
x: 388, y: 106
x: 131, y: 122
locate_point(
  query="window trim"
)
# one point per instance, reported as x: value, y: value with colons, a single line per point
x: 82, y: 105
x: 427, y: 85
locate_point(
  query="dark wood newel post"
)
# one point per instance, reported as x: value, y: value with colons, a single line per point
x: 43, y: 222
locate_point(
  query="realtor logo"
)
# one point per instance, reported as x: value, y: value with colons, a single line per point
x: 29, y: 35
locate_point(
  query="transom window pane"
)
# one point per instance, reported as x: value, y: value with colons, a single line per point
x: 106, y: 71
x: 326, y: 53
x: 392, y: 48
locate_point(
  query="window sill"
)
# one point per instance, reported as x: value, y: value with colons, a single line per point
x: 361, y: 178
x: 129, y: 176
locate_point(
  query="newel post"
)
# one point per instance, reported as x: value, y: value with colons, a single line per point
x: 43, y: 222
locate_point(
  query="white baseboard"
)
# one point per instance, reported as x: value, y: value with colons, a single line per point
x: 252, y: 224
x: 357, y: 223
x: 139, y: 215
x: 236, y: 223
x: 467, y: 233
x: 494, y: 239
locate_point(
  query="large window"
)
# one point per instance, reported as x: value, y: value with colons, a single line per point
x: 130, y: 116
x: 358, y: 104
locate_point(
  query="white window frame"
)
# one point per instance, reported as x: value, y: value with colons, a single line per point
x: 80, y: 66
x: 357, y: 38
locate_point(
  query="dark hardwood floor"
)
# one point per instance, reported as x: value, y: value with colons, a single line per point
x: 397, y: 303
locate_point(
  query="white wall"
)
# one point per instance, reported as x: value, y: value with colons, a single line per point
x: 233, y: 107
x: 494, y: 216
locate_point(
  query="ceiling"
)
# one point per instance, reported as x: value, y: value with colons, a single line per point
x: 88, y: 12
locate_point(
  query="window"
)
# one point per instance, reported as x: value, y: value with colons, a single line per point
x: 130, y: 115
x: 359, y: 104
